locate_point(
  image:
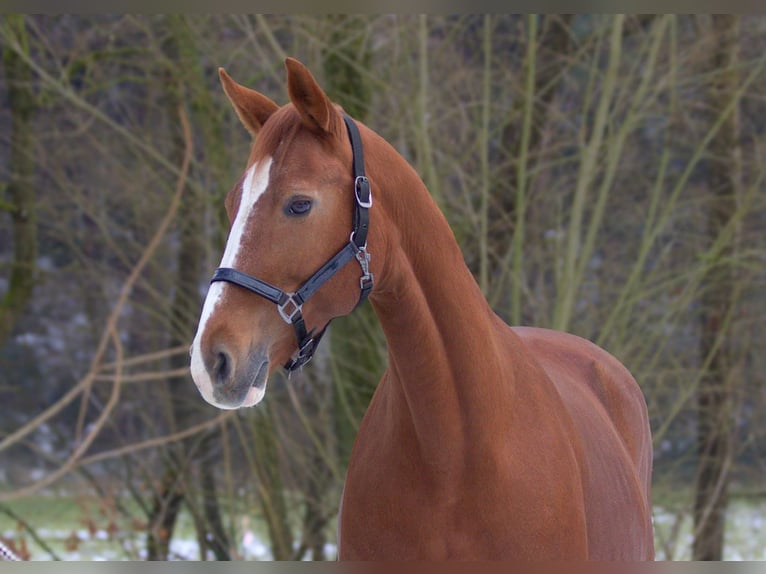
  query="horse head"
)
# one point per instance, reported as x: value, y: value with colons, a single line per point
x: 291, y: 214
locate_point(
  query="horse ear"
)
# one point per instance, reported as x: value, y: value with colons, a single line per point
x: 253, y: 108
x: 309, y: 99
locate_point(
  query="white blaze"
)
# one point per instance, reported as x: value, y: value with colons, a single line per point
x: 256, y: 182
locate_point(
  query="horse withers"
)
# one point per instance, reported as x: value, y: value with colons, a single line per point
x: 482, y: 441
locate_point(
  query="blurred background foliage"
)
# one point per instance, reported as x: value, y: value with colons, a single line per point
x: 602, y: 174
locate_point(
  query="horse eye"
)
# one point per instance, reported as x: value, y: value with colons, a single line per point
x: 300, y: 206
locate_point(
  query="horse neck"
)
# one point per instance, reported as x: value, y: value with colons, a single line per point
x: 443, y: 338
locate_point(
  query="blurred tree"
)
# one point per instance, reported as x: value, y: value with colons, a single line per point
x: 546, y: 60
x: 20, y: 188
x: 346, y: 57
x: 264, y: 461
x: 185, y: 85
x: 718, y: 385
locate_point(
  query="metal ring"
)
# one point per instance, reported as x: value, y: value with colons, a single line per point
x: 288, y: 316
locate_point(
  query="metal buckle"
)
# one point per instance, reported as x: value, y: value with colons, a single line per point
x: 366, y: 281
x: 306, y: 351
x: 289, y: 315
x: 362, y: 181
x: 363, y: 257
x: 302, y: 356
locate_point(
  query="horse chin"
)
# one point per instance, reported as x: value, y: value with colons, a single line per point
x: 257, y: 389
x: 254, y: 396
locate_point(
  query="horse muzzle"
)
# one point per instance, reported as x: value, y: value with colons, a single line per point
x: 228, y: 382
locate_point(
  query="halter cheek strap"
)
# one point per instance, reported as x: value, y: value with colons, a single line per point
x: 290, y: 305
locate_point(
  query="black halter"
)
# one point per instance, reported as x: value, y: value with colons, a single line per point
x: 290, y: 305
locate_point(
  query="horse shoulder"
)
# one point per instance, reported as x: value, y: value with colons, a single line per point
x: 609, y: 412
x: 576, y: 365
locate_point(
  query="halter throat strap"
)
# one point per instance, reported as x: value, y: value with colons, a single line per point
x: 290, y: 305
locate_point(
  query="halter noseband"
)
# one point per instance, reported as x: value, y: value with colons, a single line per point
x: 290, y: 305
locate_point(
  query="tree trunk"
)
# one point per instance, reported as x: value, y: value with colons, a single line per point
x: 20, y: 188
x: 554, y: 44
x: 271, y: 487
x: 166, y: 506
x: 546, y: 64
x: 216, y: 536
x: 715, y: 399
x: 345, y: 55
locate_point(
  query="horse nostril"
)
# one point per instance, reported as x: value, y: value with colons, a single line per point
x: 222, y: 368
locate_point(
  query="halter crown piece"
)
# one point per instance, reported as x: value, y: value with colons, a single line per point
x: 290, y: 305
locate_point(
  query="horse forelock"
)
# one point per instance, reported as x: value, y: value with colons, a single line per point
x: 284, y: 126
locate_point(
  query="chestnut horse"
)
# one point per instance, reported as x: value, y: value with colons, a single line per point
x: 482, y: 441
